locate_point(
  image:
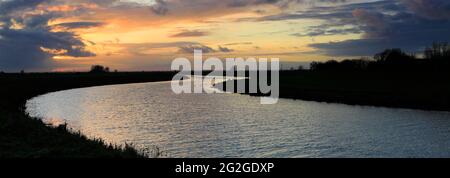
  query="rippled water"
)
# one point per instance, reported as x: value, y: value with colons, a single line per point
x: 233, y: 125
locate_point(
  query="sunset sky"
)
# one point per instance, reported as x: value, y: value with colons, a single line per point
x: 71, y: 35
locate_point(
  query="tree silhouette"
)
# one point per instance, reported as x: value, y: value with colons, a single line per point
x: 436, y: 59
x: 99, y: 69
x: 438, y: 51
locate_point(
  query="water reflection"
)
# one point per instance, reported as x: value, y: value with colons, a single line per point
x: 233, y: 125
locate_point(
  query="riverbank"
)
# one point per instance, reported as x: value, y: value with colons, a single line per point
x: 413, y: 90
x: 25, y: 137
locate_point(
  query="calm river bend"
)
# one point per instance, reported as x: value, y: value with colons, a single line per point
x: 233, y: 125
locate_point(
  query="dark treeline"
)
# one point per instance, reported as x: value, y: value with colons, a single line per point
x: 393, y: 78
x: 435, y: 58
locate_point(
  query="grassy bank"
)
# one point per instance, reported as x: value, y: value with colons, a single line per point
x: 415, y: 90
x: 25, y: 137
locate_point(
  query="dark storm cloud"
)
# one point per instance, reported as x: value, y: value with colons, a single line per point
x: 408, y: 24
x: 433, y: 9
x: 33, y: 44
x: 316, y: 31
x: 23, y: 49
x: 9, y: 6
x: 407, y: 29
x: 303, y: 15
x: 160, y: 7
x: 412, y: 35
x: 75, y: 25
x: 164, y: 7
x: 342, y: 12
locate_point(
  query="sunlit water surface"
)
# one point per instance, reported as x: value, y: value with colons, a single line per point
x: 233, y: 125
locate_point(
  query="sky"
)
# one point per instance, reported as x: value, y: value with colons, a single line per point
x: 136, y: 35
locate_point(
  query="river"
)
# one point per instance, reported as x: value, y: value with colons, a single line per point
x: 233, y: 125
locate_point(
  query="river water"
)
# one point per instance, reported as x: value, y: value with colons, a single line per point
x: 233, y: 125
